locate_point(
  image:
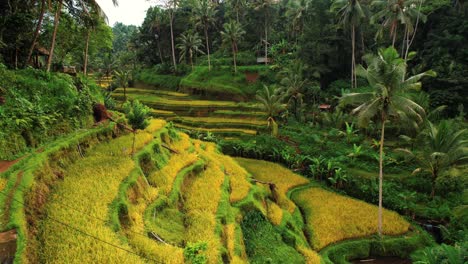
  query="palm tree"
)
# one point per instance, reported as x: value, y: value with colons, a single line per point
x: 296, y: 10
x: 205, y: 13
x: 156, y: 23
x: 293, y: 84
x: 271, y: 101
x: 445, y: 147
x: 171, y: 6
x: 92, y: 3
x: 351, y: 15
x: 231, y: 35
x: 190, y: 44
x: 394, y: 12
x: 389, y: 100
x: 264, y: 6
x: 122, y: 78
x: 237, y: 6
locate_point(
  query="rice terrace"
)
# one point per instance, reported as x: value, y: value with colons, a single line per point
x: 234, y: 131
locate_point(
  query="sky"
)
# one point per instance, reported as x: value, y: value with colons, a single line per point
x: 129, y: 12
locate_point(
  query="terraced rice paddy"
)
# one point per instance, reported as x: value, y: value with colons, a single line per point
x: 283, y: 179
x: 90, y: 186
x: 227, y: 118
x: 191, y: 193
x: 331, y: 217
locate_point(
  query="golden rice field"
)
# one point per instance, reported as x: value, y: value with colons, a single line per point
x: 145, y: 246
x: 90, y: 186
x: 165, y: 177
x: 274, y: 213
x: 230, y: 237
x: 333, y: 217
x: 238, y: 176
x: 311, y: 257
x: 218, y: 130
x: 168, y: 101
x: 283, y: 178
x: 217, y: 120
x: 151, y: 91
x: 201, y: 205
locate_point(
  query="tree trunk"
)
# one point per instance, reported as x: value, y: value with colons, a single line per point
x: 54, y: 35
x: 36, y: 33
x: 234, y: 48
x: 382, y: 136
x: 410, y: 42
x: 266, y: 39
x: 160, y: 52
x: 394, y: 33
x: 172, y: 39
x: 133, y: 145
x: 191, y: 60
x: 353, y: 60
x: 85, y: 65
x: 207, y: 48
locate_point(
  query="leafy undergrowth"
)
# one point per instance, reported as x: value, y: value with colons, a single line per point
x: 90, y: 186
x: 332, y: 218
x: 264, y: 243
x: 283, y: 179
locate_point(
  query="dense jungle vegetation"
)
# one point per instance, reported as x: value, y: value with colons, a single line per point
x: 234, y: 131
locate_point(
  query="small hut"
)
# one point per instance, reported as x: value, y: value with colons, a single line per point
x: 40, y: 57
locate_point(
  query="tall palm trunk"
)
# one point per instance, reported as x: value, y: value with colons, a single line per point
x: 54, y: 35
x: 266, y: 38
x: 207, y: 48
x: 353, y: 58
x: 160, y: 52
x: 234, y: 48
x: 410, y: 42
x: 85, y: 64
x: 382, y: 136
x: 172, y: 39
x: 36, y: 33
x: 394, y: 32
x: 191, y: 56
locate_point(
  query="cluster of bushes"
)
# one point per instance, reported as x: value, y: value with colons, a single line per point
x: 156, y: 76
x: 37, y: 106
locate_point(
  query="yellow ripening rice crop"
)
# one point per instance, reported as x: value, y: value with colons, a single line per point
x: 310, y: 256
x: 238, y: 176
x: 274, y: 213
x: 226, y: 120
x: 202, y: 194
x: 89, y: 186
x: 155, y: 124
x: 164, y: 178
x: 230, y: 236
x: 2, y: 184
x: 283, y: 178
x: 333, y: 217
x: 142, y: 244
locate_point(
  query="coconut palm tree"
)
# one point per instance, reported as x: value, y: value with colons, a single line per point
x: 271, y: 100
x: 293, y: 83
x: 296, y: 10
x: 171, y: 6
x: 394, y: 12
x: 92, y: 3
x: 232, y: 35
x: 189, y: 45
x: 123, y: 77
x: 204, y: 15
x: 239, y: 6
x: 389, y: 100
x: 264, y: 6
x: 352, y: 13
x: 445, y: 147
